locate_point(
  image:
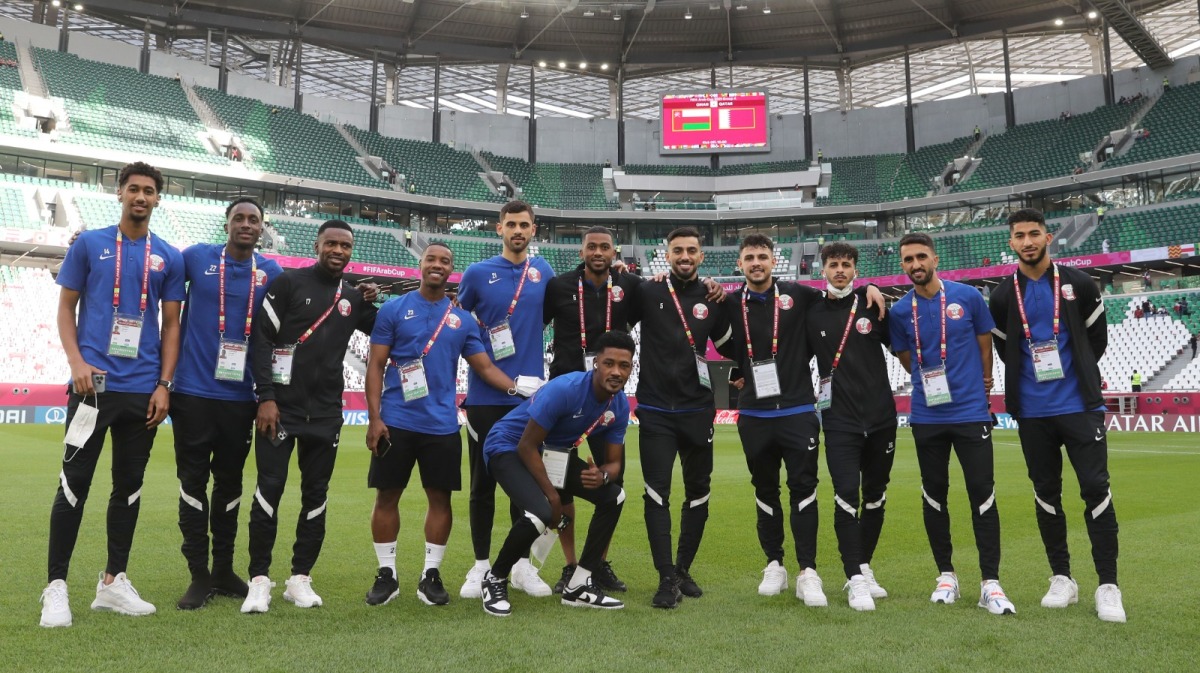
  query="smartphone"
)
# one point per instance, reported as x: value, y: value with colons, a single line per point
x: 383, y: 446
x: 98, y: 382
x: 279, y: 437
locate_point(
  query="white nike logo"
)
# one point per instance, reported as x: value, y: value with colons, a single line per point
x: 891, y: 447
x: 986, y: 434
x: 812, y: 445
x: 104, y: 257
x: 1099, y: 434
x: 270, y: 296
x: 492, y: 281
x: 210, y: 272
x: 409, y: 316
x: 578, y: 415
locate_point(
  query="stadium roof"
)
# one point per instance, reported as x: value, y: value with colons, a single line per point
x: 576, y: 46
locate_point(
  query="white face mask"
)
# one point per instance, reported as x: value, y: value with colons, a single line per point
x: 541, y: 547
x: 83, y: 424
x: 839, y: 294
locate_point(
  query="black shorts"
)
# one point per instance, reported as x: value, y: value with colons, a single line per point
x: 440, y: 458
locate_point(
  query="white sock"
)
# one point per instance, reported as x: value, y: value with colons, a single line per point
x: 386, y: 553
x: 483, y: 564
x: 434, y: 553
x: 581, y: 575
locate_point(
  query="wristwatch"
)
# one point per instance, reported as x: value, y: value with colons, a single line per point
x: 605, y: 473
x: 169, y: 385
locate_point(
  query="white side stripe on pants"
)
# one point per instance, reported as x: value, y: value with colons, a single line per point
x: 844, y: 505
x: 196, y: 504
x: 932, y: 503
x: 700, y: 501
x: 1043, y: 504
x: 878, y: 503
x: 134, y: 497
x: 654, y: 495
x: 318, y: 511
x: 67, y: 492
x: 262, y: 502
x: 806, y: 502
x: 763, y: 506
x: 1102, y: 506
x: 987, y: 504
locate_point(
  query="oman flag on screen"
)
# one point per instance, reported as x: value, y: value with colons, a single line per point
x: 691, y: 120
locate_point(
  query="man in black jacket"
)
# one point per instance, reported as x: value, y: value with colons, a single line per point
x: 301, y: 334
x: 582, y: 305
x: 777, y: 419
x: 858, y: 411
x: 1051, y: 331
x: 676, y: 409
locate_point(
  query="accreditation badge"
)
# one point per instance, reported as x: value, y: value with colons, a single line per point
x: 937, y: 386
x: 231, y: 360
x: 281, y: 364
x: 1047, y: 361
x: 412, y: 380
x: 125, y: 336
x: 825, y: 393
x: 702, y: 370
x: 766, y: 379
x: 556, y: 460
x: 503, y: 345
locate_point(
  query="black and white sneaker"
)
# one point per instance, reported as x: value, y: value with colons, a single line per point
x: 687, y: 585
x: 385, y: 588
x: 607, y: 579
x: 568, y: 571
x: 430, y: 589
x: 495, y: 595
x: 668, y: 595
x: 588, y: 595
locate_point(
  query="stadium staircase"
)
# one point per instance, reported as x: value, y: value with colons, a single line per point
x: 1172, y: 125
x: 433, y: 169
x: 916, y: 172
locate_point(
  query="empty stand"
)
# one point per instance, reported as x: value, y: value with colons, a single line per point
x: 1172, y: 125
x: 866, y: 179
x: 1171, y: 225
x: 433, y: 168
x: 29, y: 336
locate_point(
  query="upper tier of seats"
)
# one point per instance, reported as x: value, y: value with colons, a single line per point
x: 281, y: 140
x: 914, y: 176
x: 118, y: 108
x: 564, y: 186
x: 10, y: 82
x: 866, y: 179
x: 1172, y: 126
x: 433, y: 169
x: 1045, y: 149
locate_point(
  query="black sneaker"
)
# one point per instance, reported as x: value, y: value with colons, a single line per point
x: 588, y: 595
x: 385, y: 588
x: 607, y: 579
x: 687, y: 585
x: 430, y: 589
x: 198, y: 592
x: 225, y: 582
x: 495, y: 595
x: 568, y: 571
x: 668, y: 595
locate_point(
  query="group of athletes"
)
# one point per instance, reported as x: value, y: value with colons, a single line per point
x: 241, y: 353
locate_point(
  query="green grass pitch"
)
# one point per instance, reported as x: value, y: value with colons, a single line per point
x: 731, y: 628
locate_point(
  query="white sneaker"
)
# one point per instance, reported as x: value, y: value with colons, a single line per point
x: 810, y: 589
x: 774, y: 581
x: 1063, y: 592
x: 1108, y: 603
x: 120, y: 597
x: 299, y: 591
x: 992, y: 597
x: 258, y: 598
x: 525, y: 578
x: 946, y: 590
x: 471, y: 587
x: 56, y: 607
x: 869, y: 575
x: 858, y: 590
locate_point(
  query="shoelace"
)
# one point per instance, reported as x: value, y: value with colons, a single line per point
x: 56, y: 596
x: 1060, y: 587
x: 1107, y: 596
x: 126, y: 584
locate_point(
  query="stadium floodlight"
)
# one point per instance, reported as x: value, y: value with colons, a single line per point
x: 589, y: 13
x: 687, y: 14
x: 78, y: 7
x: 562, y: 64
x: 541, y: 64
x: 583, y: 65
x: 524, y: 13
x: 766, y: 8
x: 616, y: 16
x: 604, y: 66
x: 1092, y: 14
x: 742, y: 7
x: 57, y: 3
x: 1058, y: 22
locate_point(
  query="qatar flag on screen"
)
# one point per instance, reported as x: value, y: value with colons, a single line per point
x: 736, y: 118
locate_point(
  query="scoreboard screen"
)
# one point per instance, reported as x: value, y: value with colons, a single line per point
x: 715, y: 121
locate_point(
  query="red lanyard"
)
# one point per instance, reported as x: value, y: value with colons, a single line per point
x: 584, y: 436
x: 686, y: 329
x: 520, y: 286
x: 607, y: 313
x: 221, y: 290
x: 308, y: 333
x: 436, y: 332
x: 837, y: 357
x: 1021, y: 306
x: 774, y: 328
x: 145, y: 276
x: 917, y: 332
